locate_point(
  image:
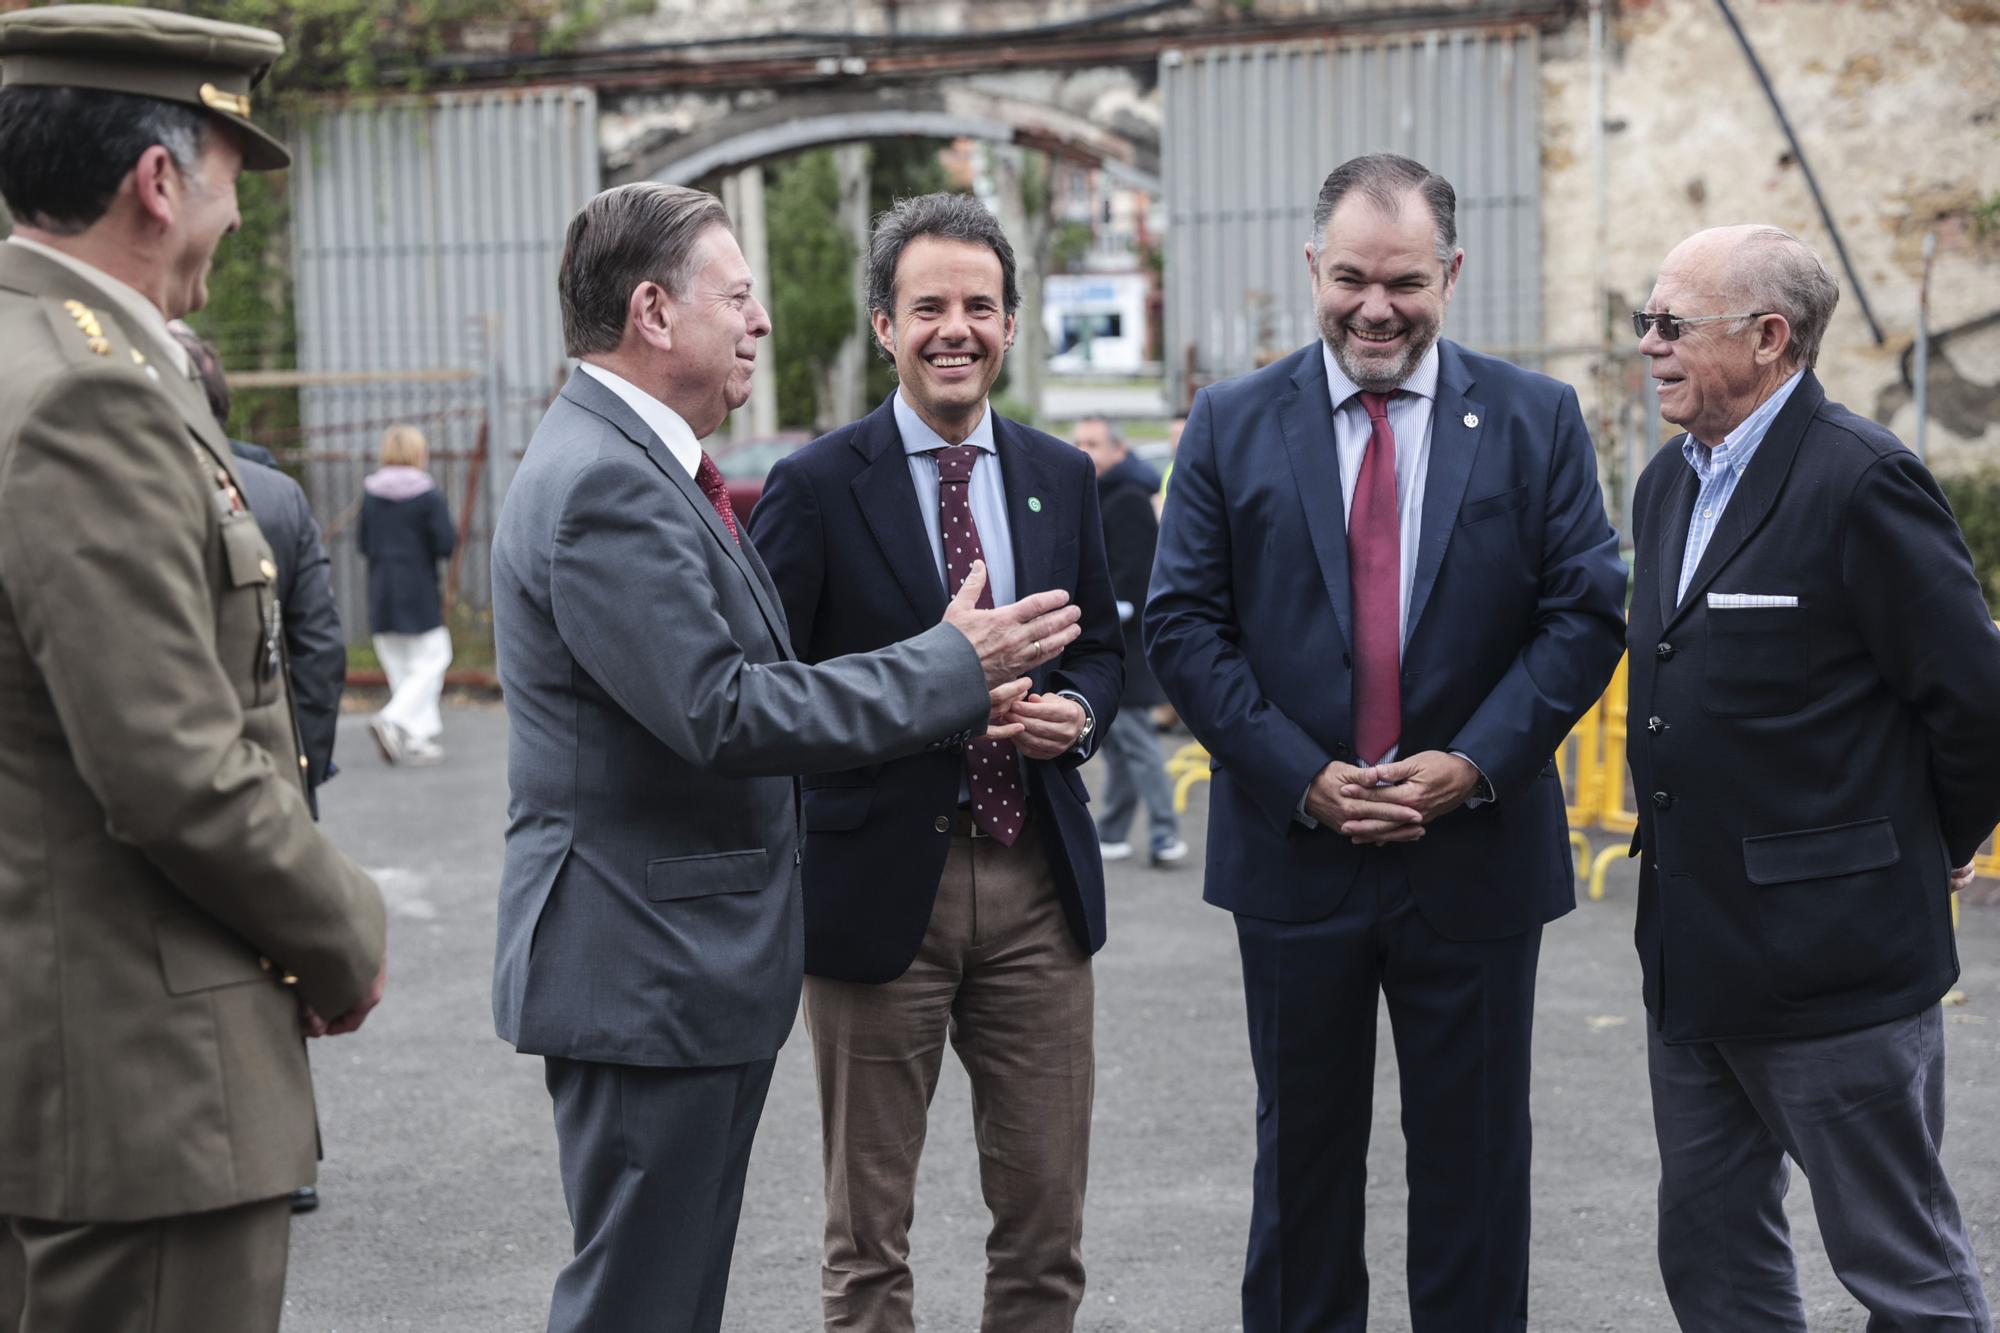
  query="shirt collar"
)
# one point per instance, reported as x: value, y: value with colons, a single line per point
x: 130, y: 301
x: 1737, y: 447
x: 919, y: 438
x: 662, y: 420
x: 1423, y: 381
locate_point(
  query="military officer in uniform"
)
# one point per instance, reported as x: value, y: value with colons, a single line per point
x: 171, y: 921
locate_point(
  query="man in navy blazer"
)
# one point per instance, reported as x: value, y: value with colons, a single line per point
x: 1385, y: 591
x: 931, y: 908
x: 1815, y: 722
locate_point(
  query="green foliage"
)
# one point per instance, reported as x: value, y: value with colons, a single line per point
x: 813, y: 302
x: 249, y: 313
x: 1975, y: 499
x: 1068, y: 246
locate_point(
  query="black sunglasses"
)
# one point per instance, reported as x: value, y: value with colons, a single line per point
x: 1670, y: 326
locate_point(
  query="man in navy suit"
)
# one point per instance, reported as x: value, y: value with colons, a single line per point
x: 956, y: 893
x: 1385, y: 591
x: 1819, y: 682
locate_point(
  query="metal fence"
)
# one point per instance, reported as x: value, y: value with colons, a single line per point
x: 426, y: 234
x: 1251, y: 132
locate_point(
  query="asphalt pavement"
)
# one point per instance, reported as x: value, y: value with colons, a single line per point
x: 443, y: 1209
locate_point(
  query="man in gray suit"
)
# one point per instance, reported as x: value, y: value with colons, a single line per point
x: 650, y: 935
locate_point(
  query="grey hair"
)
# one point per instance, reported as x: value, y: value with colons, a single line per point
x: 629, y: 234
x: 1386, y: 179
x: 1112, y: 429
x: 949, y: 217
x: 1776, y: 271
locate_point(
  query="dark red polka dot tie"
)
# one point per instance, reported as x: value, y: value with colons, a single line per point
x: 709, y: 478
x: 993, y: 775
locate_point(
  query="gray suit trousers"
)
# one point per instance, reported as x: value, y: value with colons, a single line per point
x: 1862, y: 1113
x: 653, y: 1162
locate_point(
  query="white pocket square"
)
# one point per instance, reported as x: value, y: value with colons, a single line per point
x: 1732, y: 601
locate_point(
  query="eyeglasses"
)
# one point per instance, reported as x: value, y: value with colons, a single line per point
x: 1670, y: 326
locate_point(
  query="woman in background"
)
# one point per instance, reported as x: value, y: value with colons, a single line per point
x: 405, y: 531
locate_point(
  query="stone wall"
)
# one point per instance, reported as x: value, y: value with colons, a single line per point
x: 1897, y: 106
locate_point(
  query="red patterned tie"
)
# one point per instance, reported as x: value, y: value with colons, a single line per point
x: 709, y: 478
x: 993, y: 774
x: 1375, y: 576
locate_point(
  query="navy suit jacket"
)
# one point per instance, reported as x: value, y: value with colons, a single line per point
x: 1807, y: 775
x: 839, y: 528
x: 1515, y: 626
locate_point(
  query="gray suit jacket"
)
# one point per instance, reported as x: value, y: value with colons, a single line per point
x: 649, y: 906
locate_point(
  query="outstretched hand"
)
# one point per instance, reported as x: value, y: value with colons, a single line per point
x: 1012, y: 640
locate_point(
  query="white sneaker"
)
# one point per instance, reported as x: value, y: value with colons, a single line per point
x: 422, y: 754
x: 1115, y: 851
x: 1172, y: 852
x: 388, y: 738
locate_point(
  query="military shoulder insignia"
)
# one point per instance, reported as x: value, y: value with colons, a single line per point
x: 89, y: 326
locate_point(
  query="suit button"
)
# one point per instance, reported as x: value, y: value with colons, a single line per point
x: 1347, y: 659
x: 1655, y: 725
x: 1663, y: 801
x: 1664, y: 652
x: 942, y: 824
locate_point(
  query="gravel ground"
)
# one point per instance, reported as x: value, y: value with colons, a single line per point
x: 443, y: 1209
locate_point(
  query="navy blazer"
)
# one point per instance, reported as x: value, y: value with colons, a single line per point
x: 403, y: 541
x: 1515, y: 626
x: 1807, y: 775
x: 839, y: 529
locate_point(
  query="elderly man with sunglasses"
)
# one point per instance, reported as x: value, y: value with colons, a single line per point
x: 1815, y: 710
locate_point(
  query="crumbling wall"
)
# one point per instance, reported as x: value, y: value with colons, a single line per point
x: 1897, y: 106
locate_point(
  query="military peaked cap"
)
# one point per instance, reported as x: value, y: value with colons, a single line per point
x: 149, y: 53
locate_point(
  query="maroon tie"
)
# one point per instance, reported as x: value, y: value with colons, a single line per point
x: 1375, y: 574
x: 993, y: 775
x: 709, y: 478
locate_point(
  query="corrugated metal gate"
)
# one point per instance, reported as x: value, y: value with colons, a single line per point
x: 426, y: 236
x: 1252, y: 131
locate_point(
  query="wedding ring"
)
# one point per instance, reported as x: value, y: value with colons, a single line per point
x: 1038, y: 647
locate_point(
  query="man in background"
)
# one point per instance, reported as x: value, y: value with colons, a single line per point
x: 315, y: 644
x: 1134, y: 769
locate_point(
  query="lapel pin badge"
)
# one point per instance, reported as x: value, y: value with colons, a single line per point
x: 1034, y: 504
x: 1471, y: 420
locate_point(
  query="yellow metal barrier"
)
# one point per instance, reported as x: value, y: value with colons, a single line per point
x: 1591, y: 764
x: 1188, y: 766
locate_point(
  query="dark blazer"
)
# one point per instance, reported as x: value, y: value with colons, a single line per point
x: 839, y: 527
x: 1807, y: 776
x: 403, y: 541
x: 1515, y: 625
x: 656, y: 715
x: 1131, y: 533
x: 315, y: 646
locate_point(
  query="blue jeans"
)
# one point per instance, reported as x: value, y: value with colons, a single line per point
x: 1135, y: 772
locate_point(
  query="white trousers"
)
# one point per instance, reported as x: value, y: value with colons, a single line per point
x: 415, y: 665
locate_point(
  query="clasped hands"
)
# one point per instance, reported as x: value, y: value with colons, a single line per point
x: 1011, y: 641
x: 1391, y: 802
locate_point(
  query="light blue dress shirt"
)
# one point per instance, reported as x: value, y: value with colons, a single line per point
x: 988, y: 496
x: 1410, y: 411
x: 1719, y: 469
x: 989, y: 515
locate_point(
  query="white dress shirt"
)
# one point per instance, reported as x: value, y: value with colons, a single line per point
x: 662, y: 420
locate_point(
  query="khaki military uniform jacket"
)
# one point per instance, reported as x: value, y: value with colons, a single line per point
x: 165, y: 899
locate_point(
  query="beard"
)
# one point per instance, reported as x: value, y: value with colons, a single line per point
x: 1370, y: 370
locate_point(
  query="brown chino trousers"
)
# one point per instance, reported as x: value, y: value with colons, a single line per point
x: 219, y: 1272
x: 999, y: 973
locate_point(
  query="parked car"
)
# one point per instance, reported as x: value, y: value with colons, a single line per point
x: 744, y: 465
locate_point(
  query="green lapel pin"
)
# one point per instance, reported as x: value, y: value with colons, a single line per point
x: 1034, y: 504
